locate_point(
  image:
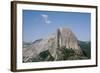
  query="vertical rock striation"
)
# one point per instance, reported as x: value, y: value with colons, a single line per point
x: 62, y: 45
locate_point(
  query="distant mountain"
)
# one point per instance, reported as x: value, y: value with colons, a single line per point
x: 61, y: 45
x: 26, y: 44
x: 86, y: 48
x: 39, y: 40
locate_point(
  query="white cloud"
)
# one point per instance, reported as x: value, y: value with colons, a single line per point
x: 45, y: 17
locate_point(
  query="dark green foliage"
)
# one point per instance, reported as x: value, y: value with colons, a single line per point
x: 43, y: 56
x: 86, y: 48
x: 64, y: 53
x: 46, y: 56
x: 68, y: 53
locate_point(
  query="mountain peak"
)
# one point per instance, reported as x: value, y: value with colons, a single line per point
x: 64, y: 28
x: 55, y: 45
x: 67, y: 38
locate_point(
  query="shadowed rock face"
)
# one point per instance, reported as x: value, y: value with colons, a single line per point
x: 68, y: 39
x: 54, y: 47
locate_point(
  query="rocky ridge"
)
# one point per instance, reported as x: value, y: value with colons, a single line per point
x: 61, y: 45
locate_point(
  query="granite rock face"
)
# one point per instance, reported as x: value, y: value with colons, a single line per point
x: 67, y: 39
x: 61, y: 45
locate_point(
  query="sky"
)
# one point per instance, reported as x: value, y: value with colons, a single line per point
x: 40, y: 24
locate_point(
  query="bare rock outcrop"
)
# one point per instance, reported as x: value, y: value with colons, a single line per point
x: 61, y: 45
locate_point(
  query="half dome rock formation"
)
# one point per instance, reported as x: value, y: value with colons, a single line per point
x: 61, y: 45
x: 67, y: 39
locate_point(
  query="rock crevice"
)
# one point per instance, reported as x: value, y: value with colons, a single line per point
x: 62, y: 45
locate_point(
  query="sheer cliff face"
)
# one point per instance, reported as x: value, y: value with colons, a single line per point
x: 53, y: 46
x: 67, y: 38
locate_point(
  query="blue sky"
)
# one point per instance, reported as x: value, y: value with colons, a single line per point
x: 40, y: 24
